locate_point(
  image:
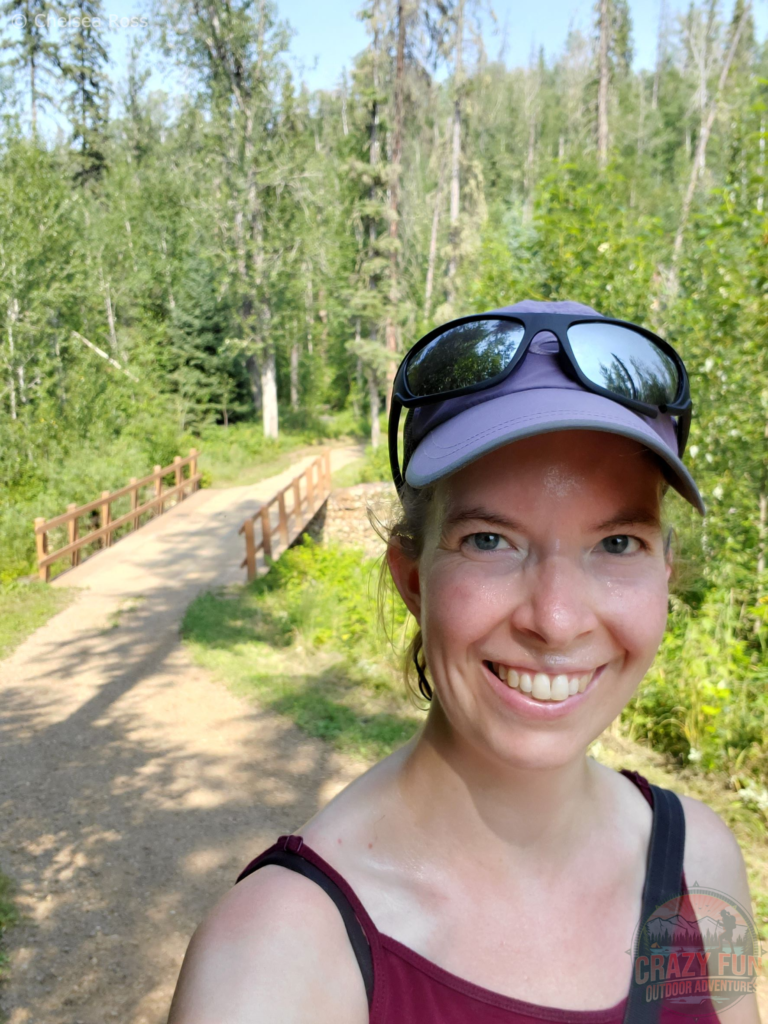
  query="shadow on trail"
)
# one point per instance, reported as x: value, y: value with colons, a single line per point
x: 118, y: 841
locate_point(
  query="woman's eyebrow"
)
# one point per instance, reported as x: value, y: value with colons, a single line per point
x: 465, y: 515
x: 629, y: 517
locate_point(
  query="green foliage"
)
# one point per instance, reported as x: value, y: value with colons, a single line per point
x: 239, y: 243
x: 24, y: 607
x: 305, y: 641
x: 9, y: 915
x: 372, y: 468
x: 705, y: 700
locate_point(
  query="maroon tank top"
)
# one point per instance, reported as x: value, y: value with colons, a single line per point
x: 405, y: 987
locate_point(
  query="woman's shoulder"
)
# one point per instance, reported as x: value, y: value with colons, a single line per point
x: 713, y: 857
x: 273, y: 948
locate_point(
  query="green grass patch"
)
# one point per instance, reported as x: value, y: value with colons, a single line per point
x: 372, y: 468
x: 9, y: 915
x: 24, y: 607
x: 305, y: 641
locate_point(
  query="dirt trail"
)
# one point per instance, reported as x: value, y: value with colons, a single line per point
x: 132, y: 787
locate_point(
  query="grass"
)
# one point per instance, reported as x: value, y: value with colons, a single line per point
x: 24, y: 607
x: 304, y: 640
x: 240, y: 454
x: 372, y: 468
x: 9, y: 915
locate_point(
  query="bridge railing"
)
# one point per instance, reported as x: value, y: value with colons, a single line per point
x: 102, y: 526
x: 307, y: 492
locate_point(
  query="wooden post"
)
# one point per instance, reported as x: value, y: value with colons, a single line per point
x: 297, y: 505
x: 158, y: 488
x: 193, y: 469
x: 41, y: 539
x: 283, y: 518
x: 266, y: 532
x: 134, y: 502
x: 106, y: 519
x: 310, y: 490
x: 72, y: 535
x: 178, y: 474
x: 327, y: 461
x: 250, y: 550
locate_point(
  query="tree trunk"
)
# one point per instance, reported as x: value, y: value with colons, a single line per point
x: 762, y: 522
x: 295, y: 375
x: 33, y: 94
x: 661, y: 53
x: 254, y: 375
x: 269, y: 392
x: 453, y: 260
x: 602, y: 91
x: 531, y: 93
x: 13, y: 316
x: 394, y: 203
x: 761, y: 146
x: 110, y: 318
x: 701, y: 148
x: 373, y: 398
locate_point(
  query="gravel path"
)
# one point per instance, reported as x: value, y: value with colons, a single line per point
x: 132, y: 787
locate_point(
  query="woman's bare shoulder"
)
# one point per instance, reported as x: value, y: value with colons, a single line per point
x: 273, y: 948
x: 713, y: 857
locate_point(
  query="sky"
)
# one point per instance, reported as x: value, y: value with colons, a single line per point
x: 328, y: 35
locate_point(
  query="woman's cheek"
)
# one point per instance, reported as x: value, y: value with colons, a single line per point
x: 461, y: 604
x: 636, y: 614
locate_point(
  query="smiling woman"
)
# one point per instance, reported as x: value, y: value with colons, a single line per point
x: 489, y: 871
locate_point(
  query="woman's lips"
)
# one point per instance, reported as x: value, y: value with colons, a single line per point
x: 544, y: 707
x: 544, y: 685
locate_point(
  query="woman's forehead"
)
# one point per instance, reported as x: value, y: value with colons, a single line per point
x: 559, y: 467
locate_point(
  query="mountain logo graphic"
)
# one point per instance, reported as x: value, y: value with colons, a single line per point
x: 699, y: 952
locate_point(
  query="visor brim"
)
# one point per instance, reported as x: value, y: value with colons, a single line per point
x: 473, y: 433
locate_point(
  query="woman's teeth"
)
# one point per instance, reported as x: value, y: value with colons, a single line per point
x: 541, y: 686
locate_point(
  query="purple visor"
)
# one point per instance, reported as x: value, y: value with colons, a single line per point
x: 537, y: 398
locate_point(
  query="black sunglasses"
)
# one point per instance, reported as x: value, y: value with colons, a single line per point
x: 613, y: 358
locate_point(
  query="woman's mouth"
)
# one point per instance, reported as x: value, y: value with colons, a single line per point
x: 542, y: 686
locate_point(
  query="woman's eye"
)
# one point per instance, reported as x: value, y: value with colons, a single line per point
x: 621, y: 544
x: 486, y: 541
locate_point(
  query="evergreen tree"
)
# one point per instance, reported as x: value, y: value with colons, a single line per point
x: 35, y: 54
x: 87, y: 98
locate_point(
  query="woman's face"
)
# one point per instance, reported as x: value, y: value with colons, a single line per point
x: 541, y: 592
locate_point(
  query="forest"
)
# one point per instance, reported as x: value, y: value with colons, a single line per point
x: 245, y: 258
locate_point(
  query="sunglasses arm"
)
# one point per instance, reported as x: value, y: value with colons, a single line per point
x: 394, y: 461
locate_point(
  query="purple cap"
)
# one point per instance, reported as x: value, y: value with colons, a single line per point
x: 538, y: 398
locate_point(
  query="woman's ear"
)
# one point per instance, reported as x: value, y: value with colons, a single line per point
x: 405, y: 573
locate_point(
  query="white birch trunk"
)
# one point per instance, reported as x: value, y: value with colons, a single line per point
x: 13, y: 316
x: 295, y: 375
x: 701, y: 148
x: 456, y: 148
x: 269, y: 392
x: 602, y: 91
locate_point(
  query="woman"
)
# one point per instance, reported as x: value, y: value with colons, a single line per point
x: 489, y: 870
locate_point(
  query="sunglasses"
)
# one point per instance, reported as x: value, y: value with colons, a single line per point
x: 612, y: 358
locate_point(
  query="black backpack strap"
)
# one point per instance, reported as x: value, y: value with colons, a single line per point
x: 663, y: 882
x: 295, y: 862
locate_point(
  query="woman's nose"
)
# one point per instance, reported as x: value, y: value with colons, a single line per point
x: 556, y: 605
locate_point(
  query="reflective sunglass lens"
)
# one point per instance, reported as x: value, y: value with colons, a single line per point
x: 464, y: 355
x: 625, y: 362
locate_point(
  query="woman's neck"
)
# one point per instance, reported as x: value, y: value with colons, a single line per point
x: 458, y: 799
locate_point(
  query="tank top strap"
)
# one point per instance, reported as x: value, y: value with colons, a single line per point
x: 290, y: 851
x: 664, y: 879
